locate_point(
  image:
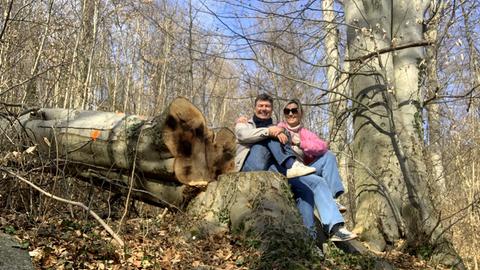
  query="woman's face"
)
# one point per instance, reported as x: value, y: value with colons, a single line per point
x: 292, y: 114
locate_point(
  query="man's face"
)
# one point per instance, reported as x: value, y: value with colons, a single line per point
x: 263, y: 109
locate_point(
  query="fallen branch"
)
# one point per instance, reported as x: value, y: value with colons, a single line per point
x: 93, y: 214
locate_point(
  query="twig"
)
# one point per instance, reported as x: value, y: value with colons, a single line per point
x: 132, y: 176
x: 6, y: 19
x: 390, y: 49
x: 93, y: 214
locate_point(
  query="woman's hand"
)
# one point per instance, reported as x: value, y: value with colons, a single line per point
x: 282, y: 138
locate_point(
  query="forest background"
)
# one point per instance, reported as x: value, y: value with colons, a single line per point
x: 137, y: 56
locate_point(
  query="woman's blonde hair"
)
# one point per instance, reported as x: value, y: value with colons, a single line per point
x: 295, y: 101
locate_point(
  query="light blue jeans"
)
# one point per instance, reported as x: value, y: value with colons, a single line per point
x: 266, y: 153
x: 310, y: 191
x: 327, y: 168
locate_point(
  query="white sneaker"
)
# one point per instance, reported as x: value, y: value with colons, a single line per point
x: 343, y: 235
x: 341, y: 208
x: 298, y: 169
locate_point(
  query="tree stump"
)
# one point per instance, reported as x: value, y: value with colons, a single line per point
x: 259, y: 207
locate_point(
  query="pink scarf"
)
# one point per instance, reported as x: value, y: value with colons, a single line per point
x: 294, y: 129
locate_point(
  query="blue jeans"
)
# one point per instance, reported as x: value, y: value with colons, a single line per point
x: 313, y: 191
x: 327, y: 168
x: 265, y: 153
x: 310, y: 190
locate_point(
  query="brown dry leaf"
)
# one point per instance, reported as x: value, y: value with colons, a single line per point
x: 50, y: 261
x: 30, y: 149
x: 36, y: 254
x: 45, y: 139
x: 137, y: 263
x: 177, y: 258
x: 167, y: 256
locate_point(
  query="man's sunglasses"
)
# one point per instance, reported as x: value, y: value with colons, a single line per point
x: 287, y: 111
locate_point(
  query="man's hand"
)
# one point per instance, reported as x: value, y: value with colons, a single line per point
x: 282, y: 138
x: 273, y: 131
x: 242, y: 119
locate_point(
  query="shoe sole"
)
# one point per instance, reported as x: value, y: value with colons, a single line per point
x: 335, y: 239
x: 298, y: 175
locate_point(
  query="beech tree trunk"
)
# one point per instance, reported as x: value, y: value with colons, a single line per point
x: 392, y: 194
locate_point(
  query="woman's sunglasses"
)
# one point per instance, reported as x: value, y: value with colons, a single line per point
x: 287, y: 111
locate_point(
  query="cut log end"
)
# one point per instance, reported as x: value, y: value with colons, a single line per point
x: 200, y: 154
x: 223, y: 152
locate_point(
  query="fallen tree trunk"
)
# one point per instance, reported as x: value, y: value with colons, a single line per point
x: 162, y: 160
x: 175, y: 146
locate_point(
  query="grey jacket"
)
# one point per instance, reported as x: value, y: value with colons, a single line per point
x: 247, y: 134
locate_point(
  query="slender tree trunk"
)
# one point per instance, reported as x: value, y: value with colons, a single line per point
x: 191, y: 93
x: 337, y: 85
x: 433, y: 88
x: 86, y: 44
x: 115, y: 88
x: 70, y: 89
x: 31, y: 93
x: 87, y: 84
x: 473, y: 53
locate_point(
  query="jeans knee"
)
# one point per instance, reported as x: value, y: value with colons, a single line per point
x: 330, y: 156
x: 259, y: 152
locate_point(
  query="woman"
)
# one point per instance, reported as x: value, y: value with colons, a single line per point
x: 325, y: 185
x: 310, y: 149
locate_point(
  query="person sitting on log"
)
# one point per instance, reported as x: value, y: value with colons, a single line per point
x: 257, y: 150
x: 326, y: 183
x: 310, y: 149
x: 258, y: 147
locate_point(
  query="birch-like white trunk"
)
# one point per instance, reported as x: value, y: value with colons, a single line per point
x: 337, y: 86
x: 435, y: 154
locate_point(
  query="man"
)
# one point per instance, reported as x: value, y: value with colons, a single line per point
x: 258, y: 145
x: 262, y: 146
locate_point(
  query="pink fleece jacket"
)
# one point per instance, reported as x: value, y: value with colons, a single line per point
x: 310, y: 143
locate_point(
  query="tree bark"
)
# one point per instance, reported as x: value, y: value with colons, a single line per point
x: 175, y: 146
x: 259, y: 207
x: 436, y: 167
x: 392, y: 192
x: 338, y: 91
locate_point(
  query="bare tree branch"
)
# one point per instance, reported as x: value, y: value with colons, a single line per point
x: 93, y: 214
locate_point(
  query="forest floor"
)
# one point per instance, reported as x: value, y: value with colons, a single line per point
x: 63, y: 236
